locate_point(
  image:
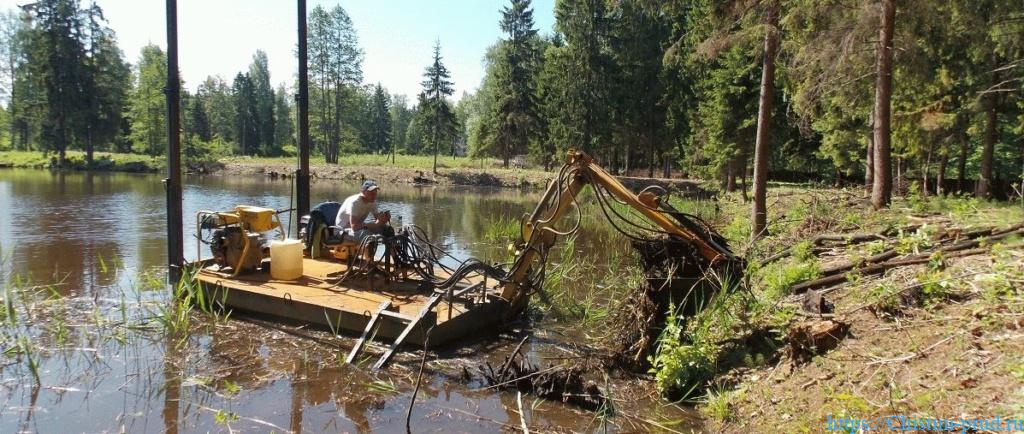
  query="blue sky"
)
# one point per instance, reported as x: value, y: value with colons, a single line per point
x: 397, y: 36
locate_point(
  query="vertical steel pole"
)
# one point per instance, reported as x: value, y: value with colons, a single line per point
x: 175, y: 239
x: 302, y: 174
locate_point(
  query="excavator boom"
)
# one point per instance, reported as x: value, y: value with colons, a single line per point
x: 539, y: 233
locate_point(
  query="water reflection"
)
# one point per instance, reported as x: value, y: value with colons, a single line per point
x: 107, y: 367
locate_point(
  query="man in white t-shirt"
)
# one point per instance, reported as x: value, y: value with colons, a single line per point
x: 355, y: 209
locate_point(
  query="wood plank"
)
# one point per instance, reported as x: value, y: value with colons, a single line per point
x: 412, y: 325
x: 397, y: 316
x: 384, y: 305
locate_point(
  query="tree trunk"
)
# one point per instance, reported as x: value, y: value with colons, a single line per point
x: 434, y: 139
x: 869, y: 173
x: 615, y: 161
x: 625, y: 170
x: 62, y: 142
x: 666, y: 167
x: 983, y: 188
x: 730, y: 175
x: 761, y: 145
x: 89, y: 147
x: 927, y: 169
x: 898, y: 184
x: 1022, y: 174
x: 961, y: 177
x: 743, y: 179
x: 13, y: 117
x: 881, y: 194
x: 650, y: 159
x: 940, y: 179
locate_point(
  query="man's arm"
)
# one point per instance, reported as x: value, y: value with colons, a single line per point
x: 354, y: 223
x: 381, y: 220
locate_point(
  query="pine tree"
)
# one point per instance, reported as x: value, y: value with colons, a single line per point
x: 762, y: 146
x: 246, y: 115
x: 198, y: 124
x: 881, y: 193
x: 106, y: 84
x: 436, y: 114
x: 554, y: 97
x: 638, y: 115
x: 263, y: 102
x: 12, y: 34
x: 830, y: 66
x: 148, y: 105
x: 335, y: 71
x: 516, y: 100
x: 401, y: 116
x: 284, y: 127
x: 586, y: 74
x: 57, y: 62
x: 483, y: 107
x: 219, y: 106
x: 380, y: 121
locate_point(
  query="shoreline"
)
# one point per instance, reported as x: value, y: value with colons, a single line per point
x: 447, y: 176
x: 498, y: 178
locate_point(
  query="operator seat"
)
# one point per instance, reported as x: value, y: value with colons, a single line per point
x: 320, y: 228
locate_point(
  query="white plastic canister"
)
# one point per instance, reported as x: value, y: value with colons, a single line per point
x: 286, y: 259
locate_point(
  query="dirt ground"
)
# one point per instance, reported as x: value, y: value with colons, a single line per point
x: 940, y: 340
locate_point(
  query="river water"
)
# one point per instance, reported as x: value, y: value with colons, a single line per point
x: 81, y: 263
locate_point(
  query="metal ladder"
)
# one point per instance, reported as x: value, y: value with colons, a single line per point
x: 382, y: 311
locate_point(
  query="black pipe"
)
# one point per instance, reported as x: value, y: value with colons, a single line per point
x: 302, y: 174
x: 175, y: 239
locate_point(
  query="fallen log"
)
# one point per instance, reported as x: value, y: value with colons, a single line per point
x: 995, y: 236
x: 841, y: 240
x: 873, y: 259
x: 973, y: 240
x: 879, y: 268
x: 846, y: 239
x: 1015, y: 228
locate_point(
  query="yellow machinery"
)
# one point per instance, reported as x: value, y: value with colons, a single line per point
x: 539, y: 233
x: 690, y: 243
x: 682, y: 239
x: 237, y: 236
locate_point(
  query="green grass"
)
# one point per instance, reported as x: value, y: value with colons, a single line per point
x: 720, y: 404
x: 686, y: 354
x: 76, y: 160
x: 138, y: 162
x: 502, y: 229
x: 176, y: 318
x: 583, y: 294
x: 780, y: 276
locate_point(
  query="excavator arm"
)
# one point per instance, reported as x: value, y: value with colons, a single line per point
x: 539, y: 233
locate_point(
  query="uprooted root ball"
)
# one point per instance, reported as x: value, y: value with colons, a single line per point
x: 675, y: 275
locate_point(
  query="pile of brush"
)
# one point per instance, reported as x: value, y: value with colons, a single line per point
x: 675, y: 277
x: 556, y: 382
